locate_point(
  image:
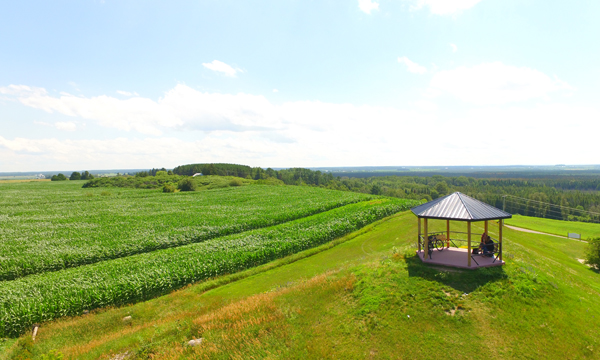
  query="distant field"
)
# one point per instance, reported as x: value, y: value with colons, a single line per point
x: 557, y: 227
x: 55, y: 236
x: 5, y: 180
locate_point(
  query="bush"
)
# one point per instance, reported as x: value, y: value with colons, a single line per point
x: 59, y: 177
x: 75, y: 176
x: 187, y: 185
x: 592, y: 256
x: 168, y: 188
x: 236, y: 182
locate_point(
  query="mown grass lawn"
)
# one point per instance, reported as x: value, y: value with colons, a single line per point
x: 363, y: 296
x: 557, y: 227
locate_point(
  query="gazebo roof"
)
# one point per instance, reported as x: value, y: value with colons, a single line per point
x: 458, y: 206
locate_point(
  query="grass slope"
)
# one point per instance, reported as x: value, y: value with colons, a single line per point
x: 366, y: 297
x: 556, y: 227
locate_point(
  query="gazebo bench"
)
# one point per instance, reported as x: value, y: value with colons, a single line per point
x: 494, y: 253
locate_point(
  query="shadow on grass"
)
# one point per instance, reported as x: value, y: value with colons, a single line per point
x: 460, y: 279
x: 596, y: 270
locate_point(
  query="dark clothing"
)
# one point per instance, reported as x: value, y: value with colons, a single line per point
x: 488, y: 247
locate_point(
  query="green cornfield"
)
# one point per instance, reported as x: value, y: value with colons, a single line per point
x: 64, y: 249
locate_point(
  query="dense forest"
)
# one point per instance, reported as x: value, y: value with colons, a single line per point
x: 568, y: 197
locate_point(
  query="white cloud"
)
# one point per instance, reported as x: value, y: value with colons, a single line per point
x: 495, y: 83
x: 444, y: 7
x: 426, y: 105
x: 65, y: 125
x: 454, y: 47
x: 367, y: 6
x: 249, y: 129
x: 21, y: 90
x: 221, y: 67
x: 275, y: 90
x: 127, y: 93
x: 324, y: 134
x: 181, y: 108
x: 60, y: 125
x: 412, y: 66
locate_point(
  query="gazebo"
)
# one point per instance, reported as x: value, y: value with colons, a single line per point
x: 457, y: 207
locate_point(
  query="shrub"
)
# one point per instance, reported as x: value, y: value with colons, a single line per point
x: 592, y: 256
x: 235, y: 182
x: 59, y: 177
x: 168, y: 188
x: 75, y: 176
x: 187, y: 185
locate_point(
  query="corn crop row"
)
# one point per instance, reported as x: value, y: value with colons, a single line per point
x: 47, y: 296
x: 46, y: 227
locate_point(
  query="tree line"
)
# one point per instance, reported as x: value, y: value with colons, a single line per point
x: 85, y: 175
x: 572, y: 197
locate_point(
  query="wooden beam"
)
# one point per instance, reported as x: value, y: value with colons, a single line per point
x: 447, y: 233
x: 426, y: 241
x: 486, y: 228
x: 419, y: 234
x: 469, y: 242
x: 500, y: 225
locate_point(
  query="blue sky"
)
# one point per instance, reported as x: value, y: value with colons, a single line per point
x: 141, y: 84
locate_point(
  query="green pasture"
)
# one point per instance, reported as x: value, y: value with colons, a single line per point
x: 365, y: 295
x: 557, y: 227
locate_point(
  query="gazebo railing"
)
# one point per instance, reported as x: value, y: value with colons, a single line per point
x: 450, y: 241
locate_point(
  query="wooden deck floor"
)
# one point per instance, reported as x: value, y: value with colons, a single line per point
x: 456, y: 257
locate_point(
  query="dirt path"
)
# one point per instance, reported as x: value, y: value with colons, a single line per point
x: 539, y: 232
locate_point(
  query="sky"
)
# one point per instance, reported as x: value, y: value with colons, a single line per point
x: 91, y: 84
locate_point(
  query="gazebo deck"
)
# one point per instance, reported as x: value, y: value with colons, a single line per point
x: 457, y: 257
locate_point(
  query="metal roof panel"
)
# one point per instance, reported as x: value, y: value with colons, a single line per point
x: 458, y: 206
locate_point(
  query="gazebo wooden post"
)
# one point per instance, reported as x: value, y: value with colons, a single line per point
x: 425, y: 241
x: 469, y: 242
x: 486, y: 227
x: 500, y: 225
x: 419, y: 233
x: 447, y: 233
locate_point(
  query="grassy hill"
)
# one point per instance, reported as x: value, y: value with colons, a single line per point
x: 362, y: 296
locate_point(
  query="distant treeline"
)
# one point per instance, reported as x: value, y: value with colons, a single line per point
x: 575, y: 192
x: 293, y: 176
x: 525, y: 196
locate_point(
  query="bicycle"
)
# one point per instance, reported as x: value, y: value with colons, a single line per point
x: 436, y: 242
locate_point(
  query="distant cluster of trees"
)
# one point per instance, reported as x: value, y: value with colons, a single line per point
x: 85, y: 175
x: 153, y: 172
x: 81, y: 176
x: 293, y: 176
x: 242, y: 171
